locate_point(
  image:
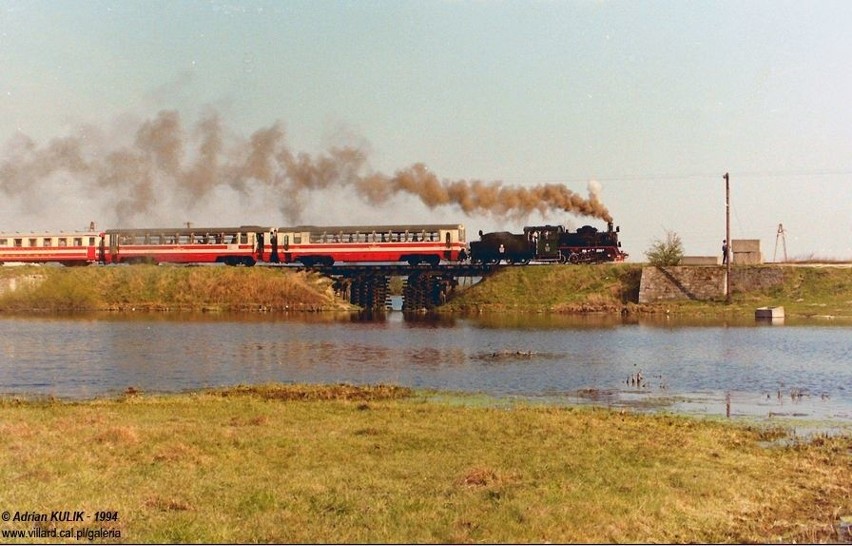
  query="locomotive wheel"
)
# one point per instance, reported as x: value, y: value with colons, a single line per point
x: 574, y: 258
x: 563, y: 259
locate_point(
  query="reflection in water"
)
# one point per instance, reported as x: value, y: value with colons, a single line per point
x: 799, y: 371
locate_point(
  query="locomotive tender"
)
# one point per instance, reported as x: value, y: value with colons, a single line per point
x: 312, y: 245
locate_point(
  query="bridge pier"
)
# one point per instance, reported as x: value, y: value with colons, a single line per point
x: 427, y: 290
x: 424, y: 287
x: 366, y: 290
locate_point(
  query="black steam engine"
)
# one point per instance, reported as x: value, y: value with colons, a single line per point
x: 549, y: 244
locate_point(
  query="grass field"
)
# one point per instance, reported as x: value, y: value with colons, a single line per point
x: 167, y: 288
x: 384, y: 464
x: 805, y: 291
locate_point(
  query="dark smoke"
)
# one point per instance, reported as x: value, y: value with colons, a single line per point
x: 164, y: 160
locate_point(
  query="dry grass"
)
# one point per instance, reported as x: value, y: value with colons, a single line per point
x: 350, y: 464
x: 171, y: 288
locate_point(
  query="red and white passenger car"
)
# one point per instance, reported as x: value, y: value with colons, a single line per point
x: 415, y: 244
x: 68, y: 248
x: 244, y: 245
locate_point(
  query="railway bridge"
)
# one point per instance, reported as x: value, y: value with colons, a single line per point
x: 424, y: 286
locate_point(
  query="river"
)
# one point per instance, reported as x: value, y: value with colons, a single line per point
x: 799, y: 372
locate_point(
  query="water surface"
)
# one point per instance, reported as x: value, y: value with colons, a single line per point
x: 799, y: 371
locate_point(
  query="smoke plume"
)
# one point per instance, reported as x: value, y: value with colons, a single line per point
x: 164, y: 160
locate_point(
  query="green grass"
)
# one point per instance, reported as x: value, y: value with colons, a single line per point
x: 382, y: 464
x: 803, y: 292
x: 553, y: 289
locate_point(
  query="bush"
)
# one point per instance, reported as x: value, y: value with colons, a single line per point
x: 665, y: 252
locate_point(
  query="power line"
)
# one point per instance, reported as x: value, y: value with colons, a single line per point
x: 684, y: 176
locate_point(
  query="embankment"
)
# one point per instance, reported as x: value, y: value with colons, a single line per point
x: 164, y: 288
x: 806, y: 291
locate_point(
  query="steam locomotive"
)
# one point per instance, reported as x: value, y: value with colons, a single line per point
x: 549, y: 244
x: 312, y: 245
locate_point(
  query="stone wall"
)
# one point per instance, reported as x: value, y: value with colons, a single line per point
x: 756, y: 279
x: 681, y: 282
x: 703, y: 282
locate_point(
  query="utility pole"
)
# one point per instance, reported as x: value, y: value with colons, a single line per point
x: 728, y: 242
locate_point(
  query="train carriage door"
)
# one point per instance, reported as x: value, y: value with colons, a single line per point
x: 91, y: 250
x: 113, y: 247
x: 548, y: 244
x: 273, y: 241
x: 259, y: 239
x: 448, y: 240
x: 102, y: 248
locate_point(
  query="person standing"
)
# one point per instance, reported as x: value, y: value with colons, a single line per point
x: 724, y: 252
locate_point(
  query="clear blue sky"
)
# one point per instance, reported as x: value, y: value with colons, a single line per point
x: 654, y: 100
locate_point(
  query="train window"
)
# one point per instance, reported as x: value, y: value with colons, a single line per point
x: 19, y: 242
x: 33, y: 242
x: 244, y: 238
x: 4, y: 242
x: 78, y: 241
x: 62, y: 242
x: 46, y: 241
x: 91, y: 241
x: 462, y: 237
